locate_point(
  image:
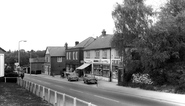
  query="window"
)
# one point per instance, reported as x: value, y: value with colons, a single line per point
x: 76, y: 55
x: 59, y: 59
x: 104, y: 54
x: 97, y: 54
x: 69, y: 55
x: 116, y: 55
x: 88, y: 54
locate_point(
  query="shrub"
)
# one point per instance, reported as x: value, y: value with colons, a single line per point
x: 141, y: 78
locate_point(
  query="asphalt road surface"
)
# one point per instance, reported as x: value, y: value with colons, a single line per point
x: 97, y: 96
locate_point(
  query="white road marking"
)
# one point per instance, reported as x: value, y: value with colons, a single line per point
x: 106, y: 98
x: 76, y: 90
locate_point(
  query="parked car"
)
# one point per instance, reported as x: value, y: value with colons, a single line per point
x: 73, y: 77
x: 90, y: 78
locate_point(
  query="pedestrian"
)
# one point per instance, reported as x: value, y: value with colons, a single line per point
x: 22, y: 75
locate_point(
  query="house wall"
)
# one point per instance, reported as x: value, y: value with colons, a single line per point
x: 57, y: 67
x: 71, y: 63
x: 47, y: 65
x: 103, y: 67
x: 2, y: 64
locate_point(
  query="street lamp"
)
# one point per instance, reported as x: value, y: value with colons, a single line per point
x: 19, y: 50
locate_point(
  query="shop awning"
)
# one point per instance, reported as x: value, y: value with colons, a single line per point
x: 83, y: 66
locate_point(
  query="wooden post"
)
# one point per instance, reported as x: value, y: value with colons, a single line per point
x: 74, y: 101
x: 43, y: 95
x: 48, y: 94
x: 89, y: 104
x: 63, y: 104
x: 55, y: 98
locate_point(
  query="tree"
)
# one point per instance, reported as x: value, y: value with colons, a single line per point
x: 132, y: 24
x: 164, y: 47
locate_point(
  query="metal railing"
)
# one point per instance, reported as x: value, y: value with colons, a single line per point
x: 52, y: 96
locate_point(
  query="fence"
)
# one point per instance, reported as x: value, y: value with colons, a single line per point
x: 52, y: 96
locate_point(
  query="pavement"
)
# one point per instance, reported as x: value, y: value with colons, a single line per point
x: 153, y: 95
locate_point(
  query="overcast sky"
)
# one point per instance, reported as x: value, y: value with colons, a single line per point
x: 53, y: 22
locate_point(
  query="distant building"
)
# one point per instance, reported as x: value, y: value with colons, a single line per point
x: 54, y: 60
x: 37, y: 65
x: 74, y: 56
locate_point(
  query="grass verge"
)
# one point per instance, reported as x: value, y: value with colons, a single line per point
x: 12, y: 94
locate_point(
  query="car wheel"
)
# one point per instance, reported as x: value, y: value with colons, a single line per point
x: 84, y: 81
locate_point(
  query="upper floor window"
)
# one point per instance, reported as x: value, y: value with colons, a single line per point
x: 104, y: 54
x: 116, y: 55
x: 76, y: 55
x: 69, y: 55
x: 97, y: 54
x: 88, y: 54
x: 59, y: 59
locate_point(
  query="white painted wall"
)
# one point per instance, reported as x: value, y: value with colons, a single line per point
x: 1, y: 65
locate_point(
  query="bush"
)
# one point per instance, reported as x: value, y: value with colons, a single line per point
x: 141, y: 78
x: 11, y: 74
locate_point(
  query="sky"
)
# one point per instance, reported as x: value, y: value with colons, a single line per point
x: 45, y: 23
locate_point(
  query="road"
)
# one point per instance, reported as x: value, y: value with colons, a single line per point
x: 93, y: 94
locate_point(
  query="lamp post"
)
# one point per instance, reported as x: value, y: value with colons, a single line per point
x: 19, y: 50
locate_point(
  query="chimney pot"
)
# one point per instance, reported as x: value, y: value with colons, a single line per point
x: 66, y: 46
x: 76, y: 43
x: 103, y: 32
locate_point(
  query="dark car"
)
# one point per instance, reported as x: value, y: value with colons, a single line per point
x: 89, y: 78
x: 72, y: 77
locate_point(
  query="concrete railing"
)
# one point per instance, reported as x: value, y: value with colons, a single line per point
x: 52, y: 96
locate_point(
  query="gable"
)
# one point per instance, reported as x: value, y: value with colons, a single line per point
x: 55, y: 51
x: 2, y: 50
x: 47, y: 51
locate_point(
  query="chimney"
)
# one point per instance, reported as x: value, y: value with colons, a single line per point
x: 103, y: 32
x: 66, y: 46
x: 76, y: 43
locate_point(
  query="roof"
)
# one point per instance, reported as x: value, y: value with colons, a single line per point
x: 55, y: 50
x: 85, y: 43
x: 101, y: 42
x: 38, y: 60
x: 2, y: 50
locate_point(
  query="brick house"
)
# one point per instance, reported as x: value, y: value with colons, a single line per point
x: 54, y: 60
x: 103, y: 58
x: 74, y: 56
x: 37, y: 65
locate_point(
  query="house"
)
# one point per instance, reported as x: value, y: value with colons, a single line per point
x: 54, y: 60
x: 37, y: 65
x: 103, y: 58
x: 74, y: 56
x: 2, y: 63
